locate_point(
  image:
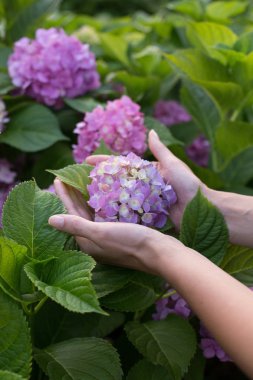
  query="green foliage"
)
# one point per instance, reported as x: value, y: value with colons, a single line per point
x: 145, y: 370
x: 82, y: 104
x: 237, y: 259
x: 163, y: 132
x: 15, y: 342
x: 203, y: 228
x: 83, y: 358
x: 6, y: 375
x: 158, y: 342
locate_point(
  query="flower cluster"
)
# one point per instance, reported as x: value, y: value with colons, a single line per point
x: 3, y: 116
x: 173, y: 304
x: 210, y: 347
x: 129, y: 189
x: 198, y: 151
x: 7, y: 181
x: 53, y: 66
x: 120, y: 124
x: 170, y: 113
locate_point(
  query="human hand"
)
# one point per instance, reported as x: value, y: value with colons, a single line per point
x: 173, y: 170
x: 121, y: 244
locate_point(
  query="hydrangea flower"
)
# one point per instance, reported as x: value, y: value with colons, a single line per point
x: 210, y: 347
x: 198, y: 151
x: 3, y: 116
x: 129, y: 189
x: 174, y: 304
x: 170, y: 112
x: 120, y: 124
x: 53, y: 66
x: 7, y: 182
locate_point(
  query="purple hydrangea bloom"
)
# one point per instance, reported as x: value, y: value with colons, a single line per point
x: 129, y: 189
x: 3, y: 116
x: 7, y: 182
x: 210, y: 347
x: 198, y: 151
x: 170, y: 113
x: 53, y: 66
x: 120, y: 125
x: 174, y: 304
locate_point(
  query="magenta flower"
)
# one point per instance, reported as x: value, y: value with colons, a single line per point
x: 174, y: 304
x: 120, y: 125
x: 170, y: 113
x: 198, y: 151
x: 7, y: 182
x: 131, y: 190
x: 53, y: 66
x: 210, y: 347
x: 3, y: 116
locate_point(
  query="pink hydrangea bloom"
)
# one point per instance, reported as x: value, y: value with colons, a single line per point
x: 210, y: 347
x: 129, y: 189
x: 3, y: 116
x: 53, y: 66
x: 120, y: 125
x: 7, y: 182
x: 174, y: 304
x: 170, y: 112
x: 198, y: 151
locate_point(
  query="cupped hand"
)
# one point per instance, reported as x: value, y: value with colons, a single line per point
x: 174, y: 171
x: 121, y: 244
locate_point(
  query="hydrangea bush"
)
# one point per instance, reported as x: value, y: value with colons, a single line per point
x: 72, y: 85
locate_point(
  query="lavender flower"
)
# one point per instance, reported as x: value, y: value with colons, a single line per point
x: 198, y: 151
x: 3, y: 116
x: 120, y: 125
x: 7, y: 182
x: 170, y: 113
x: 53, y: 66
x: 174, y: 304
x: 129, y: 189
x: 210, y: 347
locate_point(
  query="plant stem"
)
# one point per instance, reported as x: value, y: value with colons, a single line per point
x: 40, y: 304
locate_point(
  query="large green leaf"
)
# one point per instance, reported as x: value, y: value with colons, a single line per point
x: 237, y: 259
x: 197, y: 367
x: 232, y: 138
x: 144, y: 370
x: 28, y: 16
x: 240, y: 169
x: 170, y: 343
x: 25, y: 219
x: 80, y: 359
x: 132, y: 297
x: 162, y: 131
x: 203, y: 228
x: 32, y: 129
x: 222, y: 11
x: 15, y: 342
x: 76, y: 175
x: 115, y: 46
x: 202, y: 107
x: 66, y: 279
x: 6, y: 375
x: 82, y: 104
x: 12, y: 260
x: 244, y: 43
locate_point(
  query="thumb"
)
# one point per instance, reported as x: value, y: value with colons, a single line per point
x: 159, y: 150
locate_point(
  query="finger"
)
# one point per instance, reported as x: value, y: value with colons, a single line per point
x: 159, y: 150
x: 74, y: 225
x: 94, y: 160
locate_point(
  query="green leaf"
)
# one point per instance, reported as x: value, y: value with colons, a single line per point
x: 66, y: 279
x: 222, y: 11
x: 76, y: 175
x: 202, y: 107
x: 29, y: 16
x: 119, y: 277
x: 240, y: 169
x: 115, y: 46
x: 5, y: 52
x: 6, y: 375
x: 170, y: 343
x: 205, y: 34
x: 192, y: 8
x: 144, y: 370
x: 32, y: 129
x: 232, y: 138
x: 246, y: 277
x: 25, y: 219
x: 162, y: 131
x: 103, y: 149
x: 15, y: 342
x: 82, y: 104
x: 197, y: 367
x: 237, y: 259
x: 148, y: 59
x: 5, y: 83
x: 203, y: 228
x: 244, y: 43
x: 132, y: 297
x: 12, y: 260
x: 76, y: 359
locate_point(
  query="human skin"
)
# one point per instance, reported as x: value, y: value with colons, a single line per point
x: 223, y: 304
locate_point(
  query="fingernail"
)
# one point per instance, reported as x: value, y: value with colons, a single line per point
x: 154, y: 133
x: 56, y: 221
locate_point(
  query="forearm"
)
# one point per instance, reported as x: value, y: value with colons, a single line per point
x: 238, y: 212
x: 224, y: 305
